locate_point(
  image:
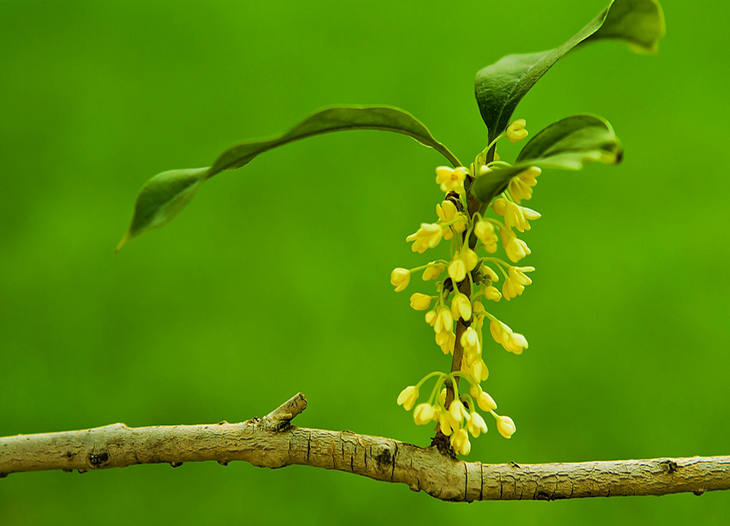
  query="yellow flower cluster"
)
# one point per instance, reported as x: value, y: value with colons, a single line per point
x: 456, y: 311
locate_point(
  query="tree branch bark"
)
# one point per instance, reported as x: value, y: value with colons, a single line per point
x: 273, y: 442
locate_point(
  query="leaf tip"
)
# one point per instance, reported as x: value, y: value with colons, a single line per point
x: 123, y: 242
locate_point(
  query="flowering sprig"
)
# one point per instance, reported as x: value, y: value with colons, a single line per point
x: 488, y: 186
x: 456, y: 311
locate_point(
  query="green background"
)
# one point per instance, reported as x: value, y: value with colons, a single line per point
x: 275, y: 279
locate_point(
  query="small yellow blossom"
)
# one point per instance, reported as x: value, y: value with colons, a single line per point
x: 515, y: 216
x: 399, y: 278
x: 423, y: 414
x: 460, y: 442
x: 444, y: 320
x: 433, y: 270
x: 470, y: 341
x: 484, y: 400
x: 451, y: 179
x: 484, y: 230
x: 513, y: 342
x: 515, y: 248
x: 511, y: 289
x: 515, y: 284
x: 516, y: 343
x: 446, y: 341
x: 464, y: 261
x: 461, y: 307
x: 506, y: 426
x: 475, y: 366
x: 477, y: 308
x: 458, y: 412
x: 491, y: 293
x: 407, y: 397
x: 517, y: 131
x: 518, y: 274
x: 445, y: 424
x: 431, y: 317
x: 476, y: 424
x: 491, y: 274
x: 520, y: 186
x: 420, y: 301
x: 427, y: 236
x: 442, y: 396
x: 447, y: 212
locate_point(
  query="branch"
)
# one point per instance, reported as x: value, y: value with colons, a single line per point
x: 273, y: 442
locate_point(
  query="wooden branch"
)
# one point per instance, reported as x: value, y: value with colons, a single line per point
x: 273, y: 442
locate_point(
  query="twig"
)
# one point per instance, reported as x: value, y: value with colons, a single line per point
x: 273, y: 442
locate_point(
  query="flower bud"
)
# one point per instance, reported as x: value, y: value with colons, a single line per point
x: 399, y: 278
x: 423, y: 414
x: 517, y: 131
x: 460, y: 442
x: 407, y: 397
x: 486, y: 402
x: 506, y: 426
x: 433, y: 270
x: 491, y: 293
x: 461, y: 307
x: 420, y: 301
x: 476, y: 424
x: 470, y: 341
x: 457, y: 411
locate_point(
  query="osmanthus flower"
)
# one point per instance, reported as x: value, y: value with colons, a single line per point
x: 484, y: 231
x: 513, y: 342
x: 460, y: 442
x: 427, y: 236
x: 470, y: 341
x: 420, y: 301
x: 515, y: 248
x: 506, y: 426
x: 423, y: 414
x: 476, y: 424
x: 517, y: 130
x: 451, y: 179
x: 450, y: 218
x: 433, y: 270
x: 463, y: 261
x: 521, y: 185
x: 516, y: 281
x: 407, y: 397
x: 399, y: 278
x: 461, y: 307
x: 515, y: 216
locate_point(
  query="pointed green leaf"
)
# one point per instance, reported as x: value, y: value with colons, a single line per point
x: 161, y: 198
x: 500, y: 86
x: 167, y: 193
x: 567, y: 144
x: 329, y: 120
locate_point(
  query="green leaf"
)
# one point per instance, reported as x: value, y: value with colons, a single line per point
x: 567, y: 144
x: 167, y: 193
x: 161, y: 198
x: 500, y: 86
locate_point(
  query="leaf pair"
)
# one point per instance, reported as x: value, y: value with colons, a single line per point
x: 499, y: 87
x: 566, y: 144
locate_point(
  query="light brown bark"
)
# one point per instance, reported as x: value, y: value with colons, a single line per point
x: 273, y: 442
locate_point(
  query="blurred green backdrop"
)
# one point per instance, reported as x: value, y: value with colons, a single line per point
x: 275, y: 279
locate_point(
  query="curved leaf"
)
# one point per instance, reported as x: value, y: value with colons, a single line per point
x: 567, y: 144
x: 165, y: 194
x: 500, y: 86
